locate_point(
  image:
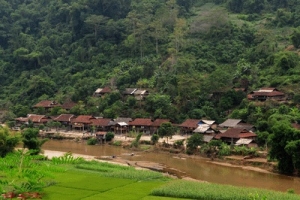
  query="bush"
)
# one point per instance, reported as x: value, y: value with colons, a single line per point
x: 109, y: 136
x: 178, y: 144
x: 117, y: 143
x: 154, y: 138
x: 8, y: 143
x: 92, y: 141
x: 224, y: 150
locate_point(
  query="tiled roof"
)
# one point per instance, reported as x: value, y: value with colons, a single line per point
x: 190, y: 123
x: 230, y: 123
x: 244, y: 126
x: 68, y: 105
x: 64, y: 118
x: 268, y: 94
x: 100, y: 122
x: 141, y: 122
x: 106, y: 90
x: 236, y: 133
x: 86, y: 119
x: 37, y: 118
x: 158, y: 122
x: 247, y: 135
x: 46, y: 104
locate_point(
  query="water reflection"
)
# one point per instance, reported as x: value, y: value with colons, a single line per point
x: 198, y: 168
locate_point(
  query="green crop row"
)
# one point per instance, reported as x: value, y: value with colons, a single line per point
x: 209, y: 191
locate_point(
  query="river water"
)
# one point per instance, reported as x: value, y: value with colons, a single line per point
x: 200, y: 169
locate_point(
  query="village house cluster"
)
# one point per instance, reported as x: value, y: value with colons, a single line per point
x: 231, y: 131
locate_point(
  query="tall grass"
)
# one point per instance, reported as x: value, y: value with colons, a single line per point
x: 22, y: 172
x: 208, y: 191
x: 118, y: 171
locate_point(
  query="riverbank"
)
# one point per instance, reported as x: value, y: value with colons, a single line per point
x: 253, y: 164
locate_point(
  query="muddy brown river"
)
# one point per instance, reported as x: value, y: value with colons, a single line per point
x: 198, y: 168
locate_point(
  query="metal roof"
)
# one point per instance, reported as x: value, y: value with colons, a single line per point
x: 230, y: 123
x: 201, y: 128
x: 209, y: 122
x: 122, y: 124
x: 243, y: 141
x: 207, y: 138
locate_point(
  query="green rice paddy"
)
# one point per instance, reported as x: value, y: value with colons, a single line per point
x: 76, y: 179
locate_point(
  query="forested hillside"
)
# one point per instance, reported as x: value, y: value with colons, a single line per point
x: 181, y: 51
x: 188, y: 53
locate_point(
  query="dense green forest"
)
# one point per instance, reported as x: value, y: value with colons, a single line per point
x: 182, y: 51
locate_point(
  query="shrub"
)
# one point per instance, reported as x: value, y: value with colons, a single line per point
x: 224, y: 150
x: 154, y: 138
x: 91, y: 141
x: 117, y: 143
x: 178, y: 143
x: 7, y: 142
x: 109, y: 136
x: 135, y: 143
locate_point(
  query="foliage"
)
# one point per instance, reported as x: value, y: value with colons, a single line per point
x: 154, y: 138
x: 179, y: 143
x: 7, y: 141
x: 243, y: 150
x: 23, y: 172
x: 285, y: 142
x: 166, y: 129
x: 135, y: 143
x: 193, y: 142
x: 67, y: 158
x: 92, y: 141
x: 31, y: 141
x: 224, y: 150
x: 190, y: 190
x: 109, y: 136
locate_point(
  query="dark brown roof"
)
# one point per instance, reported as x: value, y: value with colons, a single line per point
x: 158, y: 122
x: 236, y: 133
x: 46, y: 104
x: 141, y: 122
x: 105, y: 90
x: 100, y: 122
x: 37, y: 118
x: 190, y: 123
x: 64, y: 118
x: 268, y: 94
x: 230, y: 123
x: 86, y: 119
x: 68, y: 105
x: 244, y: 126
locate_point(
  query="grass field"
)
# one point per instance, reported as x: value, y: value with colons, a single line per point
x: 76, y: 179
